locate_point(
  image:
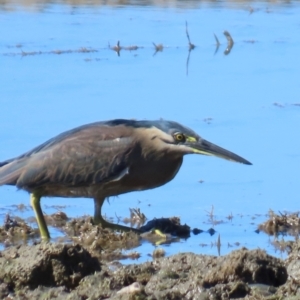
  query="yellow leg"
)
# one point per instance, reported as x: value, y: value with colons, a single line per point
x: 35, y: 203
x: 98, y: 219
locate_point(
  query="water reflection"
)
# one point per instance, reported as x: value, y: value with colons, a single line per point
x: 158, y: 48
x: 191, y: 47
x: 118, y: 48
x: 217, y: 44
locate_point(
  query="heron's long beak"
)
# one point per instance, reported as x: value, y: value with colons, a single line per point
x: 207, y: 148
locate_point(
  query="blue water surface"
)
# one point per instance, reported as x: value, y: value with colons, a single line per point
x: 58, y: 72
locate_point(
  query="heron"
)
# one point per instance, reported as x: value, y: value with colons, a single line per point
x: 105, y: 159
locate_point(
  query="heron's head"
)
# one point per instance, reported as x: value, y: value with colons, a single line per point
x: 175, y: 138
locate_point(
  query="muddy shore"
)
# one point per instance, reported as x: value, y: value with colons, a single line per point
x: 88, y: 268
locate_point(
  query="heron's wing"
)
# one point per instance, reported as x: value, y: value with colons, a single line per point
x: 91, y: 155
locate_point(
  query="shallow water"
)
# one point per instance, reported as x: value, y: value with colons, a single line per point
x: 58, y: 72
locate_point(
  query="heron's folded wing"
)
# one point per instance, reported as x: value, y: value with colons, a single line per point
x: 87, y: 157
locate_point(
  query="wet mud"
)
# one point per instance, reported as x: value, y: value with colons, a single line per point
x: 86, y: 266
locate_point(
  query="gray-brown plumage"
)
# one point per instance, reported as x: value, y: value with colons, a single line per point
x: 105, y: 159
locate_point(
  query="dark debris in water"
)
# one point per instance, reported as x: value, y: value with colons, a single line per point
x: 58, y: 219
x: 15, y: 231
x: 230, y: 42
x: 136, y: 219
x: 102, y: 242
x: 284, y: 105
x: 281, y: 224
x: 169, y: 226
x: 118, y: 48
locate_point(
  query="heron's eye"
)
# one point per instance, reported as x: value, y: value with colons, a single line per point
x: 179, y: 137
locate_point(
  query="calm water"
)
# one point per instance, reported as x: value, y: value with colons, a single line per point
x: 58, y: 72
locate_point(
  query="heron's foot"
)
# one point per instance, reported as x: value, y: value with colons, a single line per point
x: 116, y: 227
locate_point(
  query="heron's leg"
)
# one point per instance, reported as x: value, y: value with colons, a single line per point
x: 98, y: 219
x: 98, y: 202
x: 35, y: 203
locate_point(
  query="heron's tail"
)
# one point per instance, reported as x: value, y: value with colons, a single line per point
x: 10, y: 171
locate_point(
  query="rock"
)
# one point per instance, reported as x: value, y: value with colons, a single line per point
x: 253, y: 266
x: 45, y: 264
x: 48, y: 271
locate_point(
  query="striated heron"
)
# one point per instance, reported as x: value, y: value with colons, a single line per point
x: 105, y: 159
